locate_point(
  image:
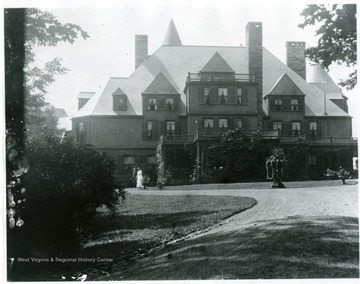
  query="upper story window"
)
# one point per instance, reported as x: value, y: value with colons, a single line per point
x: 206, y: 95
x: 208, y: 123
x: 313, y: 128
x: 294, y: 105
x: 81, y: 127
x: 169, y: 104
x: 170, y: 128
x: 149, y: 129
x: 223, y: 95
x: 278, y: 104
x: 277, y: 125
x: 240, y: 96
x: 296, y: 128
x: 152, y: 104
x: 81, y: 131
x: 223, y: 123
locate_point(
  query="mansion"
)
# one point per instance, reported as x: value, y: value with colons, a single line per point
x: 191, y: 94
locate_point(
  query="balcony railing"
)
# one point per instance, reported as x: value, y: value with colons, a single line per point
x: 197, y: 77
x: 216, y: 133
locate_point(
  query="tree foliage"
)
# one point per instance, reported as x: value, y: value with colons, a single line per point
x: 65, y: 184
x: 337, y: 34
x: 238, y: 157
x: 53, y: 185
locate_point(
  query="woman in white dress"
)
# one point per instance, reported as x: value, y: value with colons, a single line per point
x: 139, y: 178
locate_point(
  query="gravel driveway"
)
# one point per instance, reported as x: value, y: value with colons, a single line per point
x: 241, y: 246
x: 280, y: 203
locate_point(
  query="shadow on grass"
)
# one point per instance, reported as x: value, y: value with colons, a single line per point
x: 149, y: 221
x: 297, y: 247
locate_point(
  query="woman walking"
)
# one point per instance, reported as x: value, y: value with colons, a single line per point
x: 139, y: 178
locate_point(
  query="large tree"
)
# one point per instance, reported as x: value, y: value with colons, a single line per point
x: 337, y: 43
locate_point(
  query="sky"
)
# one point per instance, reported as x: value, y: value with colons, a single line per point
x: 112, y: 25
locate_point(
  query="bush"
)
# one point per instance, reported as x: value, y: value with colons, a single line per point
x: 237, y: 158
x: 66, y: 183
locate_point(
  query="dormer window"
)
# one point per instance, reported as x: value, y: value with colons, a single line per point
x: 278, y: 104
x: 169, y: 104
x: 222, y: 96
x: 294, y: 105
x: 206, y: 95
x: 152, y: 104
x: 119, y: 100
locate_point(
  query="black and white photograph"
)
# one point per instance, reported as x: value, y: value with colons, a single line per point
x: 180, y: 141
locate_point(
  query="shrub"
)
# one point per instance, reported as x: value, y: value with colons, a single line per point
x: 237, y: 158
x: 66, y: 183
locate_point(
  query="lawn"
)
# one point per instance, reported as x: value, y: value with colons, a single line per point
x: 141, y: 223
x: 292, y: 248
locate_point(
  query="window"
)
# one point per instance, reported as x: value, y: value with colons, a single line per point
x: 119, y: 102
x: 223, y: 123
x: 129, y: 160
x: 81, y: 130
x: 313, y: 129
x: 206, y: 95
x: 152, y: 104
x: 170, y: 128
x: 222, y: 96
x: 169, y: 104
x: 208, y: 123
x: 296, y: 128
x: 151, y: 160
x: 278, y: 104
x: 239, y: 96
x: 294, y: 105
x: 277, y: 125
x: 312, y: 159
x: 81, y: 127
x: 149, y: 129
x: 240, y: 123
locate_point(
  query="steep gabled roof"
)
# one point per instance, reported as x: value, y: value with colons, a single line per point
x: 174, y: 62
x: 160, y: 86
x: 217, y: 64
x: 285, y: 86
x: 172, y: 36
x: 118, y: 92
x: 85, y: 95
x: 60, y: 112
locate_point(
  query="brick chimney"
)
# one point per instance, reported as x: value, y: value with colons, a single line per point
x: 141, y: 49
x: 295, y: 57
x: 254, y: 55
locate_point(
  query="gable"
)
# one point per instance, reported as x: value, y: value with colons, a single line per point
x: 217, y: 64
x: 160, y: 86
x: 285, y: 86
x: 119, y: 92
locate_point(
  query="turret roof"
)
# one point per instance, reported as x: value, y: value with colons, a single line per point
x: 172, y: 36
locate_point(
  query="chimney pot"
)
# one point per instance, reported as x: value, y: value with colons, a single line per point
x: 295, y: 57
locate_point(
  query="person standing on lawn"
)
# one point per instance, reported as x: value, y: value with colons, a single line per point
x: 341, y: 174
x: 134, y: 177
x: 139, y: 178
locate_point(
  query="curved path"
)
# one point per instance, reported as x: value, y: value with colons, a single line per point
x: 280, y: 203
x: 241, y: 247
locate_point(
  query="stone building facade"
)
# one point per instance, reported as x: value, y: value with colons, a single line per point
x: 191, y: 94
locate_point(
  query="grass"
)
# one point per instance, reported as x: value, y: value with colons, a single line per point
x: 142, y: 222
x: 264, y: 185
x: 291, y: 248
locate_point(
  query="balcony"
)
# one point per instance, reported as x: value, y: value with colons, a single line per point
x: 197, y: 77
